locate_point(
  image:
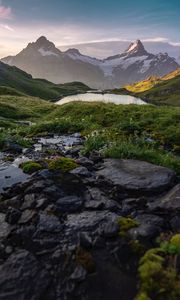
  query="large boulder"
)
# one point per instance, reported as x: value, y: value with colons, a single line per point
x: 136, y: 177
x: 22, y: 277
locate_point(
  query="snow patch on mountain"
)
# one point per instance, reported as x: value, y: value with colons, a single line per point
x: 45, y: 52
x: 84, y: 58
x: 124, y: 62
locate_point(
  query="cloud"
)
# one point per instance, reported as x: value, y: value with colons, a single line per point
x: 174, y: 44
x: 7, y: 27
x: 156, y: 39
x: 5, y: 13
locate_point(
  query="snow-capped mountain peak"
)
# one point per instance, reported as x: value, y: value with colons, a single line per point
x: 136, y: 48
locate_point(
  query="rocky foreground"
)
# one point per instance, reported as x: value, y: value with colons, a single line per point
x: 61, y: 233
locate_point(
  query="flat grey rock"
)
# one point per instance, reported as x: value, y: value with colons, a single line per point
x: 136, y: 176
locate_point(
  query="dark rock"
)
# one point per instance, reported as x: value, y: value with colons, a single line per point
x: 49, y: 223
x: 4, y: 226
x: 29, y: 201
x: 169, y: 203
x: 84, y: 161
x: 111, y: 229
x: 79, y: 274
x: 100, y: 201
x: 88, y: 220
x: 22, y: 277
x: 27, y: 216
x: 94, y: 205
x: 85, y: 240
x: 175, y: 223
x: 12, y: 215
x: 137, y: 177
x: 14, y: 148
x: 95, y: 156
x: 99, y: 242
x: 149, y: 227
x: 41, y: 203
x: 81, y: 171
x: 69, y: 204
x: 45, y: 174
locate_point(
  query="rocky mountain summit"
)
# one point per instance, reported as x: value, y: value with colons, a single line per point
x: 43, y: 60
x: 79, y: 233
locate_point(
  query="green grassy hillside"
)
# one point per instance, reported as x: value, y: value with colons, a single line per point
x: 18, y: 82
x: 154, y: 90
x: 151, y: 82
x: 165, y: 93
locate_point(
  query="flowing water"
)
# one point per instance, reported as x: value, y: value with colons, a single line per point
x: 106, y: 98
x: 10, y: 173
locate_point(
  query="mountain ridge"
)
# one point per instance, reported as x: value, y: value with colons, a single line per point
x: 43, y: 60
x: 14, y: 81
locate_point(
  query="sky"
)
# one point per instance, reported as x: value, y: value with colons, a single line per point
x: 67, y: 22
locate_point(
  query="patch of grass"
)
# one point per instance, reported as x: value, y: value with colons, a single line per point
x: 94, y: 142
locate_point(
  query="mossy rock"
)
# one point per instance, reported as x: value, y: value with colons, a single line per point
x: 30, y: 167
x: 125, y: 224
x: 63, y: 164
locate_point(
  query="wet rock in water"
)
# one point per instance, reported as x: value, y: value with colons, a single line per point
x: 137, y: 177
x: 22, y: 277
x: 69, y: 204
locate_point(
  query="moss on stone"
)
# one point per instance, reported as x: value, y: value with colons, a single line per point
x: 125, y: 224
x: 30, y: 167
x: 62, y: 163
